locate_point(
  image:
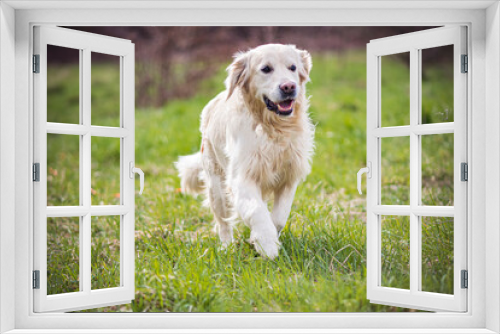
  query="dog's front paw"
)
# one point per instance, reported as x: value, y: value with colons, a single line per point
x: 225, y: 235
x: 279, y: 227
x: 266, y: 242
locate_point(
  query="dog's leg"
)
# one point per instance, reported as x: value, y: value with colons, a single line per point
x: 218, y: 203
x: 253, y: 210
x: 216, y: 193
x: 283, y: 199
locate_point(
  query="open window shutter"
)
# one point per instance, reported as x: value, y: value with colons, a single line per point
x: 67, y: 274
x: 417, y: 237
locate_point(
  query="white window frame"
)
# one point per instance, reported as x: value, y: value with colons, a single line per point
x: 85, y: 44
x: 413, y: 44
x: 483, y: 21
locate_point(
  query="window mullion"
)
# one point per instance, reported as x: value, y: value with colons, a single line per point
x: 418, y: 180
x: 86, y: 231
x: 414, y: 172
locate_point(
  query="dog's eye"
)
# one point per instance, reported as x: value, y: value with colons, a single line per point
x: 293, y: 68
x: 266, y: 69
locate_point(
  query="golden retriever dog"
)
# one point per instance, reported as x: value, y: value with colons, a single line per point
x: 257, y: 142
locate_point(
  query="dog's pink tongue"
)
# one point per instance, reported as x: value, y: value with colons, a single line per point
x: 286, y: 104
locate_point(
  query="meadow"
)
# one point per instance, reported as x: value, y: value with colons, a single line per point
x: 180, y: 266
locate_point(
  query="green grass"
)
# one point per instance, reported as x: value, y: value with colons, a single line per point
x: 180, y: 266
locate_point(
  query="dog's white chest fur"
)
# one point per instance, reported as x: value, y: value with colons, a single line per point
x: 274, y: 162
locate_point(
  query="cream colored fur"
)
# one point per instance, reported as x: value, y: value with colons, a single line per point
x: 249, y: 153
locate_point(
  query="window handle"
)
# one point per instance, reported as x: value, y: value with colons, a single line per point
x: 135, y: 170
x: 368, y: 171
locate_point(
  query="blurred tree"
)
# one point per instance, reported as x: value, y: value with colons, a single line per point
x: 172, y: 61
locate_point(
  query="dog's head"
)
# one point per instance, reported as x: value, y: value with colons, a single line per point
x: 272, y: 75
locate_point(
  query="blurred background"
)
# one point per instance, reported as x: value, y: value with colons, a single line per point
x: 179, y: 264
x: 170, y: 60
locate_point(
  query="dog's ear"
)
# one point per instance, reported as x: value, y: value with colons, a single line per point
x: 237, y: 72
x: 306, y: 65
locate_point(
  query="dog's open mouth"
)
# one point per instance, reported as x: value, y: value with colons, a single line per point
x: 284, y: 108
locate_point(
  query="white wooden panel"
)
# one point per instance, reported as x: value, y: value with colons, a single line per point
x: 433, y: 211
x: 83, y: 40
x: 105, y: 131
x: 460, y: 155
x: 77, y: 129
x: 109, y: 210
x: 86, y: 297
x: 40, y: 156
x: 418, y: 210
x: 393, y: 210
x: 419, y: 129
x: 415, y: 243
x: 94, y: 210
x: 391, y: 131
x: 67, y: 211
x: 86, y: 194
x: 127, y: 103
x: 425, y: 39
x: 373, y: 183
x: 433, y: 129
x: 413, y: 43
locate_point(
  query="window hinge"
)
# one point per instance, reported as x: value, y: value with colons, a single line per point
x: 465, y: 279
x: 464, y: 172
x: 36, y: 63
x: 465, y: 64
x: 36, y: 279
x: 36, y: 172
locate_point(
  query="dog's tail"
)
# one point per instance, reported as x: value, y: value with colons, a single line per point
x: 190, y: 171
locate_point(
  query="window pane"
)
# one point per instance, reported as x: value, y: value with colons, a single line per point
x: 63, y: 170
x: 395, y: 251
x: 437, y: 169
x: 105, y: 252
x: 105, y: 171
x: 437, y: 254
x: 395, y: 171
x: 437, y: 85
x: 105, y: 90
x: 63, y: 255
x: 63, y: 85
x: 395, y: 89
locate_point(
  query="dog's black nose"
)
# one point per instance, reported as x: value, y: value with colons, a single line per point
x: 288, y: 88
